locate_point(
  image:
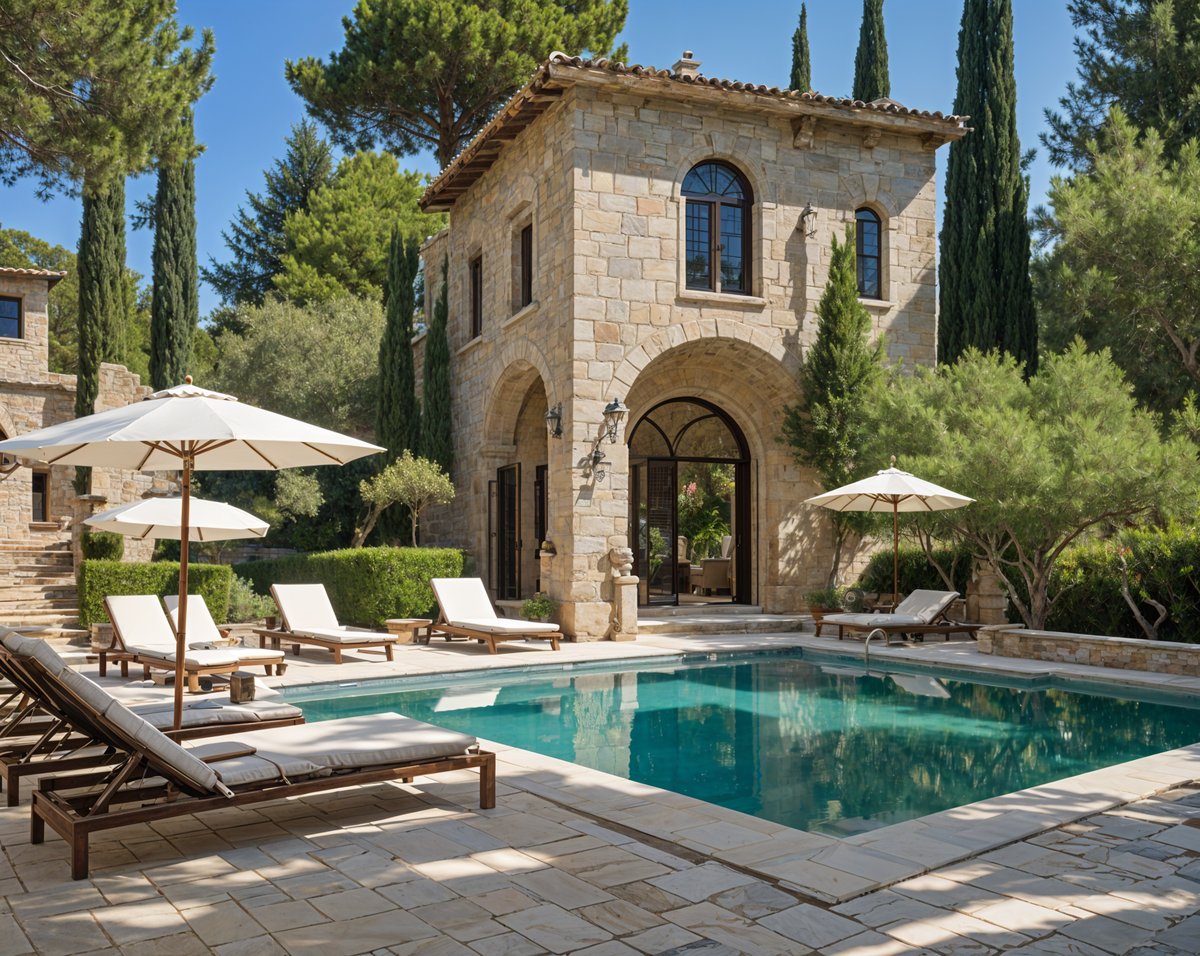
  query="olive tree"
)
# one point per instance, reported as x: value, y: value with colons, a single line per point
x: 1050, y: 460
x: 415, y: 483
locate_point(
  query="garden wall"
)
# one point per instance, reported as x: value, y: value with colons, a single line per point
x: 1160, y: 657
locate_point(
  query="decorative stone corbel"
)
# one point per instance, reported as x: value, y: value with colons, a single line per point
x: 871, y: 138
x: 933, y: 140
x: 804, y: 129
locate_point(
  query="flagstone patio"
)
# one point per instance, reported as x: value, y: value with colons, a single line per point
x: 571, y: 860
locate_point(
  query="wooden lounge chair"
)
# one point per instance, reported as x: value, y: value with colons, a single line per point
x: 466, y: 611
x: 157, y: 778
x: 44, y: 740
x: 921, y: 613
x: 141, y: 628
x: 309, y: 618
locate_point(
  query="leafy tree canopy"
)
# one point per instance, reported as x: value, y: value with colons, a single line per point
x: 429, y: 74
x: 339, y: 245
x: 415, y: 483
x: 1122, y: 272
x: 1048, y: 460
x: 318, y: 363
x: 1140, y: 55
x: 255, y: 238
x: 95, y: 87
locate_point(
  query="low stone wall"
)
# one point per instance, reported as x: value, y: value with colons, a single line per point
x: 1160, y: 657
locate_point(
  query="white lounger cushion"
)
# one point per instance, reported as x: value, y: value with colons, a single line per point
x: 211, y: 713
x: 140, y: 623
x: 463, y: 599
x: 214, y: 658
x: 501, y: 625
x: 201, y: 628
x: 350, y: 743
x: 872, y: 620
x: 341, y: 635
x: 131, y: 727
x: 305, y: 607
x: 920, y: 607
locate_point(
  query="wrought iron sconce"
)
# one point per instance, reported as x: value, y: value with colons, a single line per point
x: 595, y: 464
x: 808, y: 221
x: 614, y: 411
x: 554, y: 421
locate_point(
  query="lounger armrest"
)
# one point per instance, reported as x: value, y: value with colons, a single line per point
x: 228, y: 753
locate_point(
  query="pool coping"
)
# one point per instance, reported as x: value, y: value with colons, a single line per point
x: 832, y: 869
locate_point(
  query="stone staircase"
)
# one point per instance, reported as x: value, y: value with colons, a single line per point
x: 718, y: 619
x: 37, y: 583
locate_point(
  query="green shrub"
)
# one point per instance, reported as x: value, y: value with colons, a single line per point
x: 1163, y: 565
x: 916, y: 573
x: 102, y: 546
x: 365, y: 585
x: 245, y: 605
x: 99, y: 579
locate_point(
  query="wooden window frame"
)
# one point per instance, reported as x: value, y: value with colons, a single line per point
x: 476, y: 289
x: 714, y: 203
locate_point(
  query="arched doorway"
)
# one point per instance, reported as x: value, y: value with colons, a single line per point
x: 690, y: 505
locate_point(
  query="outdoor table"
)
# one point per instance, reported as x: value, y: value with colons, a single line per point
x: 406, y: 629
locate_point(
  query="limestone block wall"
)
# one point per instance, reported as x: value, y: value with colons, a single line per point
x: 1160, y: 657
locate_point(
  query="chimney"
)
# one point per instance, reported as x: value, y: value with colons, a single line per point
x: 686, y: 66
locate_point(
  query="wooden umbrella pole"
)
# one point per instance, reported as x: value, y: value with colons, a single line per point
x: 895, y: 554
x: 185, y: 507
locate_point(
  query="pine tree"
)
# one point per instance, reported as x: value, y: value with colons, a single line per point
x: 871, y: 62
x: 398, y: 417
x: 175, y: 303
x: 986, y: 296
x: 255, y: 238
x: 829, y: 427
x: 103, y: 293
x: 801, y: 61
x: 436, y: 436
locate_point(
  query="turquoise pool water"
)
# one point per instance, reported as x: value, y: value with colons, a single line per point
x: 813, y: 745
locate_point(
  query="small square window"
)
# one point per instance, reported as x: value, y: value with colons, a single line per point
x: 10, y: 317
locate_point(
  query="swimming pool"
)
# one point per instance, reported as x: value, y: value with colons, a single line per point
x: 813, y: 744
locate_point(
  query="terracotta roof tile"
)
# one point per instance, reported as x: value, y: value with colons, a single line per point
x: 19, y: 273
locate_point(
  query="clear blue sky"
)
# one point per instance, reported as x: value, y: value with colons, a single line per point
x: 247, y: 114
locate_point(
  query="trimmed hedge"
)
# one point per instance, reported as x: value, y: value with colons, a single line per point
x: 365, y: 585
x: 99, y: 579
x: 102, y: 545
x: 915, y: 571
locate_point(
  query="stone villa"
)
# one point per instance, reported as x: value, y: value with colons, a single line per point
x: 40, y: 514
x: 657, y: 241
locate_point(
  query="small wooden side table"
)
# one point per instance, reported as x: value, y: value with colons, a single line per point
x: 405, y: 629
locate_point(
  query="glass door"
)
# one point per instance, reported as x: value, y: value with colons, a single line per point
x: 654, y: 482
x: 508, y: 537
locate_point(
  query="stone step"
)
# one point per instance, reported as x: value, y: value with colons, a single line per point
x: 703, y: 623
x: 55, y: 559
x: 56, y: 619
x: 40, y: 592
x: 35, y: 577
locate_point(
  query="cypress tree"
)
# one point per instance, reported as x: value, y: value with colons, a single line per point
x: 801, y: 61
x: 103, y: 293
x: 985, y: 292
x: 871, y: 62
x: 436, y: 436
x: 175, y: 303
x: 398, y: 416
x: 829, y: 427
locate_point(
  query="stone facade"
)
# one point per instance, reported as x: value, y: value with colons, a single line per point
x: 1127, y: 653
x: 594, y: 156
x: 33, y: 397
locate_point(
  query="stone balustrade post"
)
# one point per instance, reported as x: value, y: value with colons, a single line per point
x: 624, y: 585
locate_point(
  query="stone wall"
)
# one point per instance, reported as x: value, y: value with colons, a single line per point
x: 1160, y: 657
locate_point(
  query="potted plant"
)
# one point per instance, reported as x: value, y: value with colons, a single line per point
x: 822, y: 602
x: 538, y: 608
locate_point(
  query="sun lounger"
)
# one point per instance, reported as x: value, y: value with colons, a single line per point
x: 203, y: 632
x: 140, y: 627
x: 466, y: 611
x: 921, y: 613
x: 157, y: 778
x: 309, y: 618
x: 49, y: 743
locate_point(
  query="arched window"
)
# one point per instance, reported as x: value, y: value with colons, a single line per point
x: 869, y: 251
x: 718, y: 228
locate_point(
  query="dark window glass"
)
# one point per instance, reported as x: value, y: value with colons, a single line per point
x: 476, y: 296
x: 717, y: 228
x: 10, y: 317
x: 526, y: 265
x: 41, y: 496
x: 869, y: 254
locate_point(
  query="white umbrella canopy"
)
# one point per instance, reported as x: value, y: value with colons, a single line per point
x: 162, y: 518
x: 187, y: 428
x: 891, y: 490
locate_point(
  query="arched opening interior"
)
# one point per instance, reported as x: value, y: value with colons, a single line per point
x: 690, y: 504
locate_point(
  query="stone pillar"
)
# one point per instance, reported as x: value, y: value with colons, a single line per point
x: 624, y: 595
x: 986, y: 600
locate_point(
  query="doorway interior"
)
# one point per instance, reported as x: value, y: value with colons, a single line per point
x: 690, y: 505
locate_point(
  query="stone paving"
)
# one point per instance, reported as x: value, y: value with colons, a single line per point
x: 581, y: 862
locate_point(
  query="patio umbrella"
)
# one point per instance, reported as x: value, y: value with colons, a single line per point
x: 163, y: 518
x: 188, y: 428
x: 891, y: 490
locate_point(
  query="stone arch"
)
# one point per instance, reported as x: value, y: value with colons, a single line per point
x: 721, y: 151
x: 7, y: 428
x: 522, y: 364
x: 862, y: 189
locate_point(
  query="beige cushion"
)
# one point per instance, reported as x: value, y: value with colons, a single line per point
x: 926, y: 605
x: 211, y: 713
x: 500, y: 625
x: 372, y: 740
x: 463, y: 599
x: 201, y: 628
x: 304, y: 606
x: 138, y: 619
x: 263, y: 766
x: 872, y: 620
x: 213, y: 658
x: 342, y: 635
